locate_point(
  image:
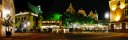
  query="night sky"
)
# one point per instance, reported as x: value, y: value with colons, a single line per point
x: 51, y: 6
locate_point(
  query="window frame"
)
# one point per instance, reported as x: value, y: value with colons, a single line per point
x: 125, y: 14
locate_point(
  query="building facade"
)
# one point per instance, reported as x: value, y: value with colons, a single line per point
x: 118, y: 15
x: 25, y: 21
x: 6, y: 8
x: 92, y: 14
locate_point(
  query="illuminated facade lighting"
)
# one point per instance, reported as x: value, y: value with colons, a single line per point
x: 5, y: 13
x: 117, y: 18
x: 122, y: 6
x: 113, y: 8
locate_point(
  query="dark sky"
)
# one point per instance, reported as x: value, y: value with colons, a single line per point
x: 50, y: 6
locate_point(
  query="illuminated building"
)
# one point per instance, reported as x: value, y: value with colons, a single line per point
x: 93, y: 15
x: 25, y: 21
x: 6, y: 8
x: 70, y: 9
x: 51, y: 24
x: 118, y: 15
x: 81, y: 11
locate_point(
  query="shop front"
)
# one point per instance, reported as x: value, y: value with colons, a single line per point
x: 94, y: 28
x: 121, y: 26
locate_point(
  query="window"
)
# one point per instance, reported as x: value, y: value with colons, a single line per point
x: 18, y: 18
x: 126, y: 12
x: 24, y: 18
x: 33, y: 18
x: 126, y: 1
x: 118, y: 26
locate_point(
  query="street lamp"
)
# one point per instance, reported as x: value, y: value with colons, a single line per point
x: 107, y: 16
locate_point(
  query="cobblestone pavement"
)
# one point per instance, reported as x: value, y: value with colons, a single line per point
x: 68, y: 36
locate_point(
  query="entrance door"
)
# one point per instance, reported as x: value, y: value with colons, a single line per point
x: 123, y: 27
x: 112, y: 27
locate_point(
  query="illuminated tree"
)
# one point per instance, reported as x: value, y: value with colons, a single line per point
x: 56, y: 16
x: 90, y: 20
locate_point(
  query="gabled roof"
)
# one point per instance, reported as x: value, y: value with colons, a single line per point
x: 82, y: 11
x: 91, y: 14
x: 70, y: 8
x: 95, y: 16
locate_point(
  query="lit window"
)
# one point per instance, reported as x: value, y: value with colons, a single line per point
x: 117, y: 26
x: 126, y: 26
x: 126, y: 12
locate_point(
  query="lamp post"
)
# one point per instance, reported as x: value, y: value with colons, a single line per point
x: 107, y: 17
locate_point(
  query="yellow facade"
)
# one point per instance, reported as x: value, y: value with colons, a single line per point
x: 118, y: 16
x: 23, y: 17
x: 117, y: 8
x: 7, y: 8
